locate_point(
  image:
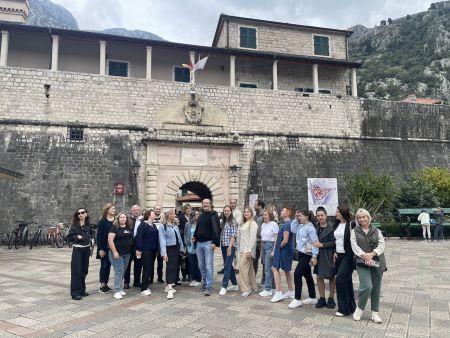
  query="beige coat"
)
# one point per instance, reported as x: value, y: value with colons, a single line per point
x: 247, y: 237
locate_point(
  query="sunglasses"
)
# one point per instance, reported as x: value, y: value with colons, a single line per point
x: 81, y: 212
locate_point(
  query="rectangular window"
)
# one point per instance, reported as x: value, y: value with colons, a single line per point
x: 181, y: 74
x: 324, y: 91
x: 321, y: 45
x: 248, y: 85
x: 118, y: 68
x: 292, y: 143
x: 304, y: 90
x: 75, y: 134
x: 247, y: 37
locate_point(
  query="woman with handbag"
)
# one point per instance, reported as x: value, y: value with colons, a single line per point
x: 325, y: 261
x: 247, y: 250
x: 344, y: 262
x: 305, y: 235
x: 283, y: 253
x: 368, y: 245
x: 171, y: 246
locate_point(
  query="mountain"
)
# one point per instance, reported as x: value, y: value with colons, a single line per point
x: 132, y: 33
x: 409, y: 55
x: 48, y: 14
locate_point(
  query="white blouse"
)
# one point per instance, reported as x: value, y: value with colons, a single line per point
x: 339, y: 234
x: 269, y: 231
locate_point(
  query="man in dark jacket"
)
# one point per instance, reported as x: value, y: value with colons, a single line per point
x: 207, y: 238
x: 136, y: 219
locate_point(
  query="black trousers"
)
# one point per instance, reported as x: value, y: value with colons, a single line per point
x: 137, y: 270
x: 256, y: 261
x: 159, y: 267
x: 344, y: 284
x: 303, y: 269
x: 173, y: 255
x: 148, y: 266
x: 79, y: 268
x: 105, y: 268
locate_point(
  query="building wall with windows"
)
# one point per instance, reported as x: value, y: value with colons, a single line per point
x: 280, y: 39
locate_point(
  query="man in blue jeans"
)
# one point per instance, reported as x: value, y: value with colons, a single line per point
x: 207, y: 237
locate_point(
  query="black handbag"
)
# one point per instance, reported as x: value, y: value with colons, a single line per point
x: 362, y: 263
x: 296, y: 255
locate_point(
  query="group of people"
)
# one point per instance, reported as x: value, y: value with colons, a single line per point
x: 186, y: 244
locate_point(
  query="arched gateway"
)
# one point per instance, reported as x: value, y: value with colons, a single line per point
x: 188, y: 179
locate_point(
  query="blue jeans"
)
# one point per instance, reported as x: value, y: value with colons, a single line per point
x: 119, y: 265
x: 205, y: 256
x: 266, y: 250
x: 228, y: 271
x: 193, y: 268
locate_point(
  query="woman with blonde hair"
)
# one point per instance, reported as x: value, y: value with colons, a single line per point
x: 171, y: 245
x: 103, y: 227
x: 247, y: 250
x: 120, y: 239
x: 368, y: 246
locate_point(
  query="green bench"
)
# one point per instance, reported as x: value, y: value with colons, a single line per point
x: 409, y: 222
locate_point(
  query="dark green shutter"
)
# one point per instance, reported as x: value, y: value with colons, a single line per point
x: 247, y: 37
x: 321, y: 45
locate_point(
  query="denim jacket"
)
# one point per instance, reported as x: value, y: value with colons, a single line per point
x: 305, y: 235
x: 167, y: 237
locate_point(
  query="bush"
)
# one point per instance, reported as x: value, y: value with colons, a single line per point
x: 365, y: 189
x: 416, y: 192
x: 439, y: 179
x: 391, y: 228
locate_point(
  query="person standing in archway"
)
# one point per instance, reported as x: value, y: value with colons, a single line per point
x: 207, y: 238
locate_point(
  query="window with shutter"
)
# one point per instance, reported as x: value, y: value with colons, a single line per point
x: 118, y: 68
x: 247, y: 37
x: 321, y: 45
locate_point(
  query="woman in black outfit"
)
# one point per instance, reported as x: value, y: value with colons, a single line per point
x: 344, y: 262
x: 147, y: 239
x: 80, y: 235
x: 104, y: 225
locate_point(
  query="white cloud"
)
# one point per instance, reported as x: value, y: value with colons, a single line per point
x: 194, y: 21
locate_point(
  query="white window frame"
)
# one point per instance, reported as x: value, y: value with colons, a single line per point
x: 173, y: 73
x: 115, y: 60
x: 329, y: 45
x: 239, y: 37
x: 248, y: 83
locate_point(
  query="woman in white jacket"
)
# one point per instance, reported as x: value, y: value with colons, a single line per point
x: 247, y: 250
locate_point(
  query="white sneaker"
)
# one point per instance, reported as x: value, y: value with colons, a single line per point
x: 170, y: 294
x: 289, y: 294
x: 246, y: 293
x: 357, y: 314
x: 338, y: 314
x: 118, y: 295
x: 233, y: 288
x: 309, y: 301
x: 223, y: 291
x: 167, y: 289
x: 295, y: 303
x: 265, y: 293
x: 123, y: 293
x: 192, y: 283
x: 376, y: 317
x: 197, y: 284
x: 277, y: 297
x: 146, y: 293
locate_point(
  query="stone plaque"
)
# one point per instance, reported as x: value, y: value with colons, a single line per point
x: 194, y: 157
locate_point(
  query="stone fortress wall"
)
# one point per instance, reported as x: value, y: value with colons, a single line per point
x: 288, y: 136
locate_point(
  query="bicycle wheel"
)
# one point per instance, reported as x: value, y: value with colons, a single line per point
x: 11, y: 241
x: 59, y: 240
x: 17, y: 241
x: 35, y: 239
x: 25, y: 238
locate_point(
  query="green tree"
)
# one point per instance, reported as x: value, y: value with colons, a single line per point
x: 439, y: 179
x: 415, y: 192
x: 365, y: 189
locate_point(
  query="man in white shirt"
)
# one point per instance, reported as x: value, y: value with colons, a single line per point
x: 424, y: 219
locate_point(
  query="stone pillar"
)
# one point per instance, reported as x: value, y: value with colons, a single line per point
x: 232, y: 71
x: 102, y: 57
x: 149, y: 63
x: 4, y: 49
x: 192, y: 59
x: 316, y: 78
x: 151, y: 178
x: 55, y: 52
x: 354, y: 84
x: 275, y: 74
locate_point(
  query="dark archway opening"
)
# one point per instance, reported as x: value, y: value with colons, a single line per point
x: 197, y: 188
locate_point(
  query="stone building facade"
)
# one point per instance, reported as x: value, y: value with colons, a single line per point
x: 75, y: 135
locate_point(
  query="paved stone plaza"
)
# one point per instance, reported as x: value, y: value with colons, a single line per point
x: 35, y: 302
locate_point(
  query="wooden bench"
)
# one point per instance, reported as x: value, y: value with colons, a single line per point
x: 408, y: 220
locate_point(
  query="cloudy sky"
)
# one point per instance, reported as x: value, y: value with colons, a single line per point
x: 194, y: 21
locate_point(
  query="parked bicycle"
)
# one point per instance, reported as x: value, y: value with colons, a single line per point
x: 37, y: 237
x: 19, y: 236
x: 55, y: 236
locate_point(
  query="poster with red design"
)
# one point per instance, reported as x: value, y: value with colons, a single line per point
x: 323, y: 192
